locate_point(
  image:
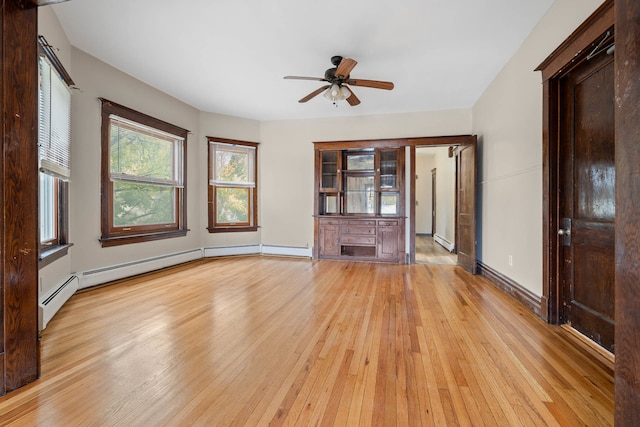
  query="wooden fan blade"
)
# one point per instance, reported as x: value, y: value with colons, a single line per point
x: 376, y: 84
x: 315, y: 93
x: 353, y: 99
x: 318, y: 79
x: 345, y: 67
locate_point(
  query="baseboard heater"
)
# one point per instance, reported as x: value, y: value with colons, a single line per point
x: 116, y: 272
x: 258, y: 249
x: 54, y: 301
x: 444, y: 242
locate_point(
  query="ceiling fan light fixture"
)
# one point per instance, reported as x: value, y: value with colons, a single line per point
x: 337, y: 93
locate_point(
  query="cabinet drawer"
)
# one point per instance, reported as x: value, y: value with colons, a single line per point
x: 329, y: 221
x: 360, y: 222
x: 347, y: 239
x: 387, y: 223
x: 348, y: 229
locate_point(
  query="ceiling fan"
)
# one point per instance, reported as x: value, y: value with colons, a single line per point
x: 338, y: 78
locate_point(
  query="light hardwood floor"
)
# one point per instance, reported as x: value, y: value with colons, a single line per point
x: 430, y: 252
x: 276, y: 341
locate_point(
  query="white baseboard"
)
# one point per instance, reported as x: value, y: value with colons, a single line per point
x: 258, y: 249
x: 444, y: 242
x: 115, y: 272
x: 287, y: 251
x: 54, y: 300
x: 231, y: 250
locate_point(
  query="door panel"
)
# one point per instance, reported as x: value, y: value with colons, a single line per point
x: 587, y: 199
x: 466, y: 207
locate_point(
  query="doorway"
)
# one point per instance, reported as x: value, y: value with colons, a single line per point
x: 579, y: 175
x: 435, y: 217
x: 587, y: 199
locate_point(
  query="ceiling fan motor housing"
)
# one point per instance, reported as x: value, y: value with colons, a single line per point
x: 335, y: 60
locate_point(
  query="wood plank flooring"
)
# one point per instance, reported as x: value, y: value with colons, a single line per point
x: 291, y: 342
x: 430, y: 252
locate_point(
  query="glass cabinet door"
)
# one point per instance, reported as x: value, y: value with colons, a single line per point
x: 330, y: 171
x: 388, y: 169
x: 360, y: 194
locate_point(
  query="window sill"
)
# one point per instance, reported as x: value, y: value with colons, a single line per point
x: 230, y: 229
x: 49, y: 255
x: 139, y: 238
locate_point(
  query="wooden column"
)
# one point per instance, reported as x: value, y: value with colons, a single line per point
x: 19, y: 354
x: 627, y: 66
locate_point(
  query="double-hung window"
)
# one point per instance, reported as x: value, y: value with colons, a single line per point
x: 143, y: 177
x: 233, y: 188
x: 54, y: 147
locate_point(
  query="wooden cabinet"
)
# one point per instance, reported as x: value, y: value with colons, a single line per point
x: 359, y: 204
x: 329, y: 238
x: 360, y: 239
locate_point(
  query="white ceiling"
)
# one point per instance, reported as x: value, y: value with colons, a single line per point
x: 230, y: 56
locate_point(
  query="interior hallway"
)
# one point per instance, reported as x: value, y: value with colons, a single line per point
x: 430, y: 252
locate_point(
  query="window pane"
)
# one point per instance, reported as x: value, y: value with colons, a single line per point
x: 142, y: 204
x: 233, y: 165
x: 140, y: 154
x: 232, y: 205
x: 47, y: 208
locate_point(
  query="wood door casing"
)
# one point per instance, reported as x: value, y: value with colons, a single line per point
x: 19, y: 346
x: 587, y: 198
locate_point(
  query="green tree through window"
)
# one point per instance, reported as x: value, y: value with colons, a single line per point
x: 233, y: 187
x: 143, y: 177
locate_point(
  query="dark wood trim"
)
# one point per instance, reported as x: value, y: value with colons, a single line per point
x: 48, y: 256
x: 114, y: 236
x: 570, y: 53
x: 44, y: 2
x: 395, y: 142
x: 142, y: 237
x: 627, y: 239
x: 137, y: 116
x: 578, y: 43
x: 20, y: 349
x: 511, y: 287
x: 212, y: 227
x: 412, y: 204
x: 48, y: 51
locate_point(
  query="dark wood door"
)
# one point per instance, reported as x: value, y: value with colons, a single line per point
x: 587, y: 199
x: 466, y: 207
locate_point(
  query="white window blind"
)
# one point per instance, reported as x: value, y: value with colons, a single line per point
x: 54, y: 128
x: 232, y: 165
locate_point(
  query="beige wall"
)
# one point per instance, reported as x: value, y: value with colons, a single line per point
x: 508, y: 121
x: 96, y: 79
x: 221, y: 126
x: 287, y: 162
x: 428, y: 158
x: 424, y: 164
x: 445, y: 194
